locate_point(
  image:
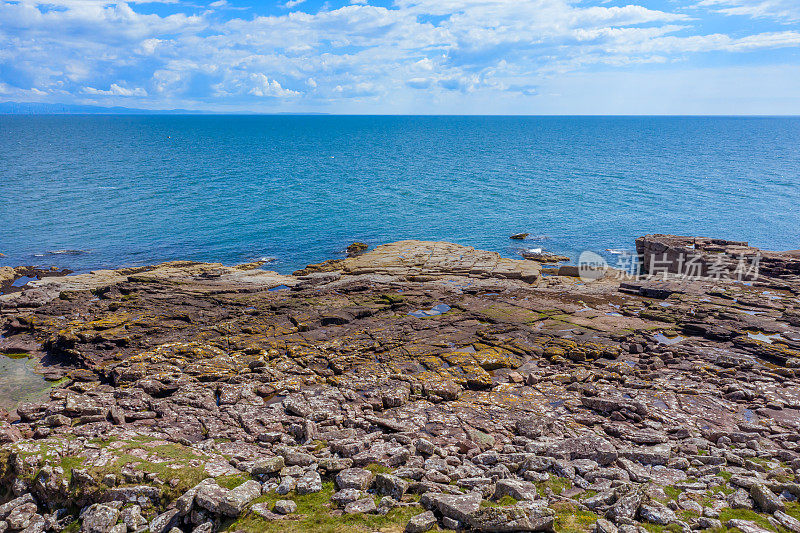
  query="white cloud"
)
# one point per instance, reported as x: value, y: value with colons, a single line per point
x: 115, y: 90
x: 431, y: 48
x: 782, y: 10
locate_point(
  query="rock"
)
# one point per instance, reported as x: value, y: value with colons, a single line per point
x: 356, y: 248
x: 625, y: 507
x: 390, y: 485
x: 604, y: 526
x: 512, y: 518
x: 421, y: 523
x: 596, y: 449
x: 740, y: 499
x: 267, y: 466
x: 7, y: 507
x: 746, y: 526
x: 132, y: 518
x: 234, y: 502
x: 364, y: 505
x: 262, y: 510
x: 455, y: 506
x: 345, y: 496
x: 519, y: 236
x: 99, y: 518
x: 285, y: 507
x: 309, y: 483
x: 519, y: 490
x: 165, y: 521
x: 210, y: 496
x: 789, y: 522
x: 353, y: 478
x: 765, y: 499
x: 657, y: 513
x: 20, y: 517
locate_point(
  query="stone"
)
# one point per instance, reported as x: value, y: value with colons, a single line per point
x: 765, y: 499
x: 210, y: 497
x: 235, y: 500
x: 345, y: 496
x: 285, y: 507
x: 99, y: 518
x: 519, y: 490
x: 309, y: 483
x: 746, y: 526
x: 604, y: 526
x: 364, y: 505
x: 353, y: 478
x: 511, y: 519
x: 625, y: 507
x: 789, y: 522
x: 390, y: 485
x: 596, y: 449
x: 455, y: 506
x: 657, y: 513
x: 267, y: 466
x: 421, y: 523
x: 740, y: 499
x: 165, y: 521
x: 132, y: 518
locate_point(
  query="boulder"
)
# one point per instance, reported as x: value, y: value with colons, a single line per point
x: 517, y: 489
x: 421, y: 523
x: 237, y: 499
x: 285, y: 507
x: 390, y: 485
x: 511, y: 518
x: 353, y: 478
x: 98, y: 518
x: 456, y: 506
x: 364, y: 505
x: 765, y: 499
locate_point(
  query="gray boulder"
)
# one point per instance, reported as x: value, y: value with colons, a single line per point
x: 353, y: 478
x: 512, y: 518
x: 237, y: 499
x: 99, y: 518
x: 421, y: 523
x: 389, y: 485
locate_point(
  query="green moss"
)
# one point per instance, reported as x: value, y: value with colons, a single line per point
x: 744, y: 514
x: 724, y: 474
x: 672, y: 492
x: 378, y: 469
x: 655, y: 528
x: 314, y: 516
x: 556, y: 484
x: 570, y: 519
x: 232, y: 481
x: 502, y: 502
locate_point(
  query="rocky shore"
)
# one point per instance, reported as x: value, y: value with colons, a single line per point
x: 415, y: 387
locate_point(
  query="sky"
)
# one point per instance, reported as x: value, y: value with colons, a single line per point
x: 734, y: 57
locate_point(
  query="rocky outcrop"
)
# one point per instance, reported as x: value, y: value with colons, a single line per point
x: 416, y: 386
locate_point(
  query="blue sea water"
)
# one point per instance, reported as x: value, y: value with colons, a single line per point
x: 87, y: 192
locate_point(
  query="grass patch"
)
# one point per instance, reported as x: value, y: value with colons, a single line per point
x: 570, y: 519
x: 378, y: 469
x: 672, y: 492
x: 505, y: 501
x: 314, y: 516
x: 744, y: 514
x: 556, y: 484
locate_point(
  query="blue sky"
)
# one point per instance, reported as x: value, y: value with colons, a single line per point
x: 407, y: 56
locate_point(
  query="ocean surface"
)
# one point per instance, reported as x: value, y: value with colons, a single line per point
x: 88, y: 192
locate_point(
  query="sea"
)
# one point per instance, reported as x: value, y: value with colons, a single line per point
x: 86, y: 192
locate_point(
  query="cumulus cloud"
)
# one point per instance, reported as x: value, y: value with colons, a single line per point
x: 115, y: 90
x: 782, y: 10
x: 200, y: 57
